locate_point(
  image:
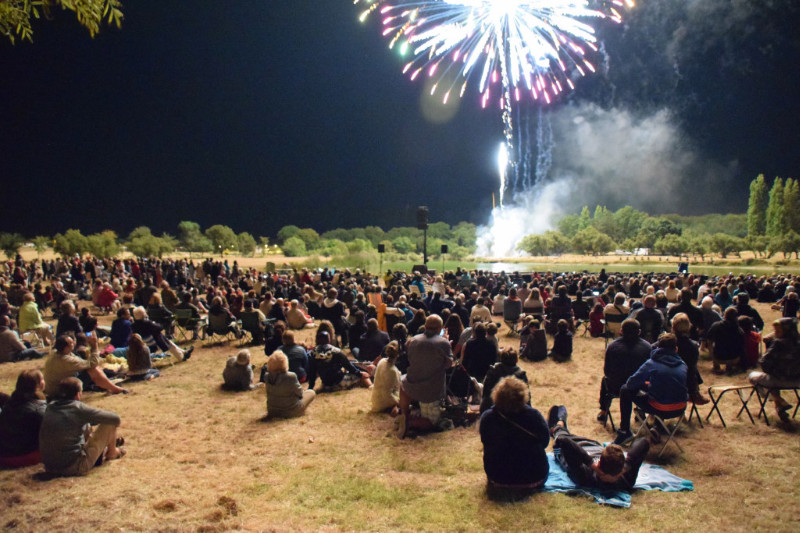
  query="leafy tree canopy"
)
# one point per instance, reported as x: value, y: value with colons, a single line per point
x: 16, y: 15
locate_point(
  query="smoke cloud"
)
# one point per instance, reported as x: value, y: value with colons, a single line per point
x: 610, y: 157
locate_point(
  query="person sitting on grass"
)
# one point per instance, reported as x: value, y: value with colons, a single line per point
x: 121, y: 328
x: 140, y: 366
x: 562, y: 343
x: 479, y: 353
x: 506, y: 367
x: 20, y: 421
x: 238, y: 373
x: 296, y: 318
x: 780, y: 365
x: 536, y: 343
x: 657, y: 387
x: 596, y: 320
x: 752, y: 343
x: 276, y: 340
x: 285, y: 396
x: 588, y: 463
x: 429, y: 357
x: 515, y: 437
x: 68, y: 443
x: 297, y: 355
x: 332, y: 367
x: 62, y: 363
x: 385, y: 391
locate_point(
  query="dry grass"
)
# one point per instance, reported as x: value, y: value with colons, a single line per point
x: 202, y: 459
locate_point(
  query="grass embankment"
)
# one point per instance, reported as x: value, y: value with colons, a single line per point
x: 201, y: 459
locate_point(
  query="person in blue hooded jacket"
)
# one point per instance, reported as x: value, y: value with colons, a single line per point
x: 658, y: 387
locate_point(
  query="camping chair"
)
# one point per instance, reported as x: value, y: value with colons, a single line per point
x: 763, y: 401
x: 185, y: 323
x: 722, y: 389
x: 251, y: 326
x: 218, y: 327
x: 661, y: 425
x: 33, y: 337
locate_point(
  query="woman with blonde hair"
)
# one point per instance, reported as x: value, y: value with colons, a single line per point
x: 386, y: 388
x: 285, y: 396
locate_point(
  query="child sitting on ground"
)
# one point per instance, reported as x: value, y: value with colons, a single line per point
x: 752, y: 343
x: 562, y: 343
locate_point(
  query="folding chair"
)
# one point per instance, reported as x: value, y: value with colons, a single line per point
x: 661, y: 423
x: 185, y: 323
x: 218, y: 328
x: 721, y: 390
x: 763, y: 401
x: 249, y: 323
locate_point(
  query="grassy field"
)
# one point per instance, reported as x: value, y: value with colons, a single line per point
x: 200, y: 459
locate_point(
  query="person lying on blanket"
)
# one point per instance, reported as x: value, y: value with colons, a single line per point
x: 588, y: 463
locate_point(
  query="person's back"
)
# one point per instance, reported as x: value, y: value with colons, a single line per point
x: 514, y: 438
x: 562, y: 344
x: 386, y: 386
x: 238, y: 374
x: 429, y: 356
x: 284, y: 393
x: 62, y: 440
x: 663, y: 376
x: 20, y: 421
x: 372, y: 342
x: 623, y: 357
x: 479, y: 355
x: 121, y: 330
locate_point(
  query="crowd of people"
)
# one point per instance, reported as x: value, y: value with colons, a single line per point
x: 426, y: 346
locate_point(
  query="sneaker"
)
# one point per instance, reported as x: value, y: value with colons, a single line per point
x: 401, y: 426
x: 783, y: 412
x: 623, y: 436
x: 639, y: 413
x: 602, y: 417
x: 445, y: 424
x: 188, y: 353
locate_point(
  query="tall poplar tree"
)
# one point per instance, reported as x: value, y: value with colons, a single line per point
x: 757, y: 207
x: 776, y: 217
x: 791, y: 205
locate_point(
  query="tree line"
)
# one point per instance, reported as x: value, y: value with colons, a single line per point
x: 771, y: 226
x: 220, y: 239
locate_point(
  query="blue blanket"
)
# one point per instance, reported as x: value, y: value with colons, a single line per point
x: 651, y: 477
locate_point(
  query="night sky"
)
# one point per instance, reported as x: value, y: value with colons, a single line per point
x: 258, y: 114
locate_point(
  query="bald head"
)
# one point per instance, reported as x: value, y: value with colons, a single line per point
x: 433, y: 324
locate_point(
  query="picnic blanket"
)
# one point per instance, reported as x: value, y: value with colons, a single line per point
x: 651, y: 477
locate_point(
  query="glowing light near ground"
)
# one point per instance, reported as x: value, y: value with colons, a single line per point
x: 502, y: 164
